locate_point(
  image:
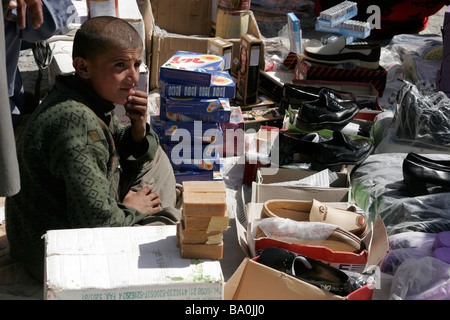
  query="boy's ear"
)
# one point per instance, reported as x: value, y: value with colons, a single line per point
x: 81, y: 67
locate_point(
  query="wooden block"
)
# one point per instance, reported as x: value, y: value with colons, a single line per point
x: 204, y: 204
x: 206, y: 223
x: 201, y: 251
x: 204, y: 186
x: 198, y: 236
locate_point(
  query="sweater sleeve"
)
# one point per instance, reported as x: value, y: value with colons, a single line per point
x: 80, y: 157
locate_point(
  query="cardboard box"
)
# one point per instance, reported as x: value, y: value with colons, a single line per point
x: 295, y: 33
x: 263, y: 190
x: 223, y: 48
x: 188, y: 27
x: 61, y: 63
x: 248, y: 70
x: 195, y: 109
x: 306, y: 70
x: 197, y: 158
x: 191, y: 68
x: 376, y: 242
x: 125, y: 263
x: 255, y: 281
x: 197, y: 131
x: 222, y: 86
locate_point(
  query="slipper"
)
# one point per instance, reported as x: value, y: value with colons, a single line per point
x: 315, y: 211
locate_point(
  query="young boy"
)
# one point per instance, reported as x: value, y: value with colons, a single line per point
x: 78, y: 167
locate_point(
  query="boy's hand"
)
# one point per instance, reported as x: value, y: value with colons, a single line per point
x: 143, y: 200
x: 136, y: 110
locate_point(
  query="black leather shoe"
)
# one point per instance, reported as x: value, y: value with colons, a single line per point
x: 339, y: 151
x: 294, y: 96
x: 428, y: 162
x: 297, y: 146
x: 307, y: 269
x: 423, y: 175
x: 332, y: 110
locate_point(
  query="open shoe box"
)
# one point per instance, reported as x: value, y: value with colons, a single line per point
x: 254, y: 281
x: 263, y: 189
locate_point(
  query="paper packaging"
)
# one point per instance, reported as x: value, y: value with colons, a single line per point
x: 191, y: 68
x: 204, y: 157
x: 188, y: 23
x: 275, y: 285
x: 125, y: 263
x: 263, y: 190
x: 295, y: 33
x: 199, y: 132
x: 248, y: 69
x: 192, y: 109
x: 222, y: 86
x: 223, y: 48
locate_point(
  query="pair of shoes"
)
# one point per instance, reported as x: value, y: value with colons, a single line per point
x: 339, y: 151
x: 332, y: 110
x: 362, y: 54
x: 309, y: 270
x: 420, y: 171
x: 314, y: 211
x: 297, y: 146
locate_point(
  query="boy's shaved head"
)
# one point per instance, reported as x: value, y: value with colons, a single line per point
x: 99, y: 34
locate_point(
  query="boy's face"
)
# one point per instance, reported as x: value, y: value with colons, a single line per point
x: 114, y: 73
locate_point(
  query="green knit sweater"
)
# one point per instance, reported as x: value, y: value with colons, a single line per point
x: 70, y: 154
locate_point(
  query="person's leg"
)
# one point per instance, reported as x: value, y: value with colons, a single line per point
x: 159, y: 174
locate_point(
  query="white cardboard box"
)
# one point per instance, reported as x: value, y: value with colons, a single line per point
x: 263, y: 189
x: 125, y: 263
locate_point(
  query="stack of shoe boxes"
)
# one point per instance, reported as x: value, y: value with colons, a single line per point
x: 200, y: 231
x: 195, y: 94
